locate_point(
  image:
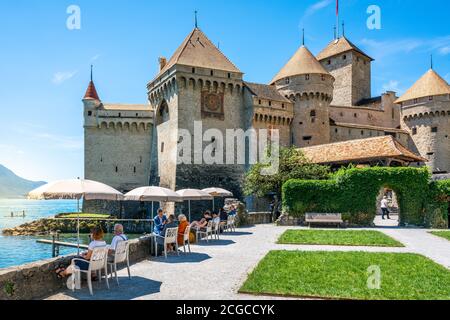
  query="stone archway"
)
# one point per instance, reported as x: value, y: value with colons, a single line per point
x: 394, y: 208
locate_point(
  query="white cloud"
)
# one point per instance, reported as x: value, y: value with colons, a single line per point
x: 444, y: 50
x: 95, y: 58
x: 393, y: 47
x: 60, y: 77
x: 392, y: 85
x: 312, y: 9
x: 59, y: 142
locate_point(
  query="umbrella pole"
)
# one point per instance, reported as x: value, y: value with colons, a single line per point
x: 78, y: 226
x: 214, y: 204
x: 189, y: 210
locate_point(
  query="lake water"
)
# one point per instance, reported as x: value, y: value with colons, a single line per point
x: 20, y: 250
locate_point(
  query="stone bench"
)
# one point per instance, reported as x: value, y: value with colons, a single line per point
x: 324, y: 218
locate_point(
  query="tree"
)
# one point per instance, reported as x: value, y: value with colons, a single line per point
x: 293, y: 165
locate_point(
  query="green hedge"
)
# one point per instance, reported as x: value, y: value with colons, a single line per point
x: 353, y: 192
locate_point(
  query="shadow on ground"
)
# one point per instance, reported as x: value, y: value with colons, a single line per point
x: 215, y: 243
x: 127, y: 290
x: 239, y: 233
x: 182, y: 258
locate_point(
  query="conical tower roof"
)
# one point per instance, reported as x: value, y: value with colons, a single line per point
x: 430, y: 84
x: 91, y: 92
x: 339, y: 46
x: 302, y: 62
x: 198, y: 51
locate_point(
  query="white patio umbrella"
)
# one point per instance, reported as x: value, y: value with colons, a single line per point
x: 75, y: 189
x: 153, y: 194
x: 217, y: 193
x: 193, y: 195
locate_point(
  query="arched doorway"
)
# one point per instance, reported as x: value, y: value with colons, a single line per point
x: 389, y: 195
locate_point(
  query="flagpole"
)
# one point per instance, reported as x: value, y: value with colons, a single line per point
x: 337, y: 18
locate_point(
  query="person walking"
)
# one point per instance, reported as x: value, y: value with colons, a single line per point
x: 385, y: 208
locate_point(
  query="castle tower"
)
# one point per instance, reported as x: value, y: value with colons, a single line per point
x: 351, y: 68
x: 197, y: 85
x: 426, y: 115
x: 310, y: 87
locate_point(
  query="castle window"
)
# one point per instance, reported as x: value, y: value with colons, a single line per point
x: 270, y: 103
x: 117, y: 169
x: 282, y: 105
x: 355, y: 115
x: 362, y: 132
x: 307, y: 138
x: 259, y: 102
x: 329, y: 62
x: 120, y: 115
x: 134, y: 169
x: 430, y: 98
x: 287, y: 81
x: 162, y: 147
x: 212, y: 72
x: 229, y: 75
x: 300, y: 123
x: 312, y: 113
x: 430, y: 154
x: 193, y: 70
x: 89, y: 113
x: 306, y: 76
x: 416, y: 101
x: 414, y: 131
x: 434, y: 130
x: 344, y: 57
x: 323, y: 77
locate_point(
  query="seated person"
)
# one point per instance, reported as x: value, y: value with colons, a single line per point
x: 159, y: 221
x: 233, y: 211
x: 118, y: 236
x: 215, y: 218
x: 182, y: 228
x: 171, y: 223
x: 223, y: 215
x: 203, y: 222
x: 97, y: 242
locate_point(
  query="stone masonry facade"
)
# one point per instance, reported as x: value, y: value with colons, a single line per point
x: 129, y: 146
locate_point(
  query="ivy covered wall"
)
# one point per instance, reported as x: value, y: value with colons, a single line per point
x: 353, y: 192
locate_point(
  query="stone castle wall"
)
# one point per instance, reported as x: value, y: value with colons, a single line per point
x: 352, y: 72
x: 312, y: 95
x: 428, y: 122
x: 118, y: 147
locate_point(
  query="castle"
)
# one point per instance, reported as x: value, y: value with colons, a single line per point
x: 311, y: 101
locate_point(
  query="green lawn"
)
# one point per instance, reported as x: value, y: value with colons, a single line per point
x: 344, y: 275
x: 84, y: 216
x: 338, y: 238
x: 442, y: 234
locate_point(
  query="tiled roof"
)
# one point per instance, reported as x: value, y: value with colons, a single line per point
x: 430, y: 84
x: 91, y: 92
x: 266, y: 92
x: 361, y: 150
x: 127, y: 107
x: 339, y: 46
x: 198, y: 51
x: 367, y: 127
x: 302, y: 62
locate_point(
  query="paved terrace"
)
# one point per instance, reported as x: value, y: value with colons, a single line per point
x: 218, y: 269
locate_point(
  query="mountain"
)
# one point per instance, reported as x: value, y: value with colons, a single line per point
x: 13, y: 186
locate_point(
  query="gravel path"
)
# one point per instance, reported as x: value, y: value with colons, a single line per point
x: 218, y: 269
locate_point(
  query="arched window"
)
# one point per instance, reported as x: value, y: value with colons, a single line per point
x: 313, y: 113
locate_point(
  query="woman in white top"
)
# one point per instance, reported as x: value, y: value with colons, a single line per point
x: 97, y: 242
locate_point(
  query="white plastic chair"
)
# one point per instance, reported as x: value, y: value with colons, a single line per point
x: 186, y: 239
x: 171, y: 237
x: 231, y: 226
x: 208, y: 232
x: 216, y: 230
x: 121, y: 255
x: 98, y: 262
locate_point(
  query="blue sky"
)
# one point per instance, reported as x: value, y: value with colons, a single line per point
x: 45, y: 66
